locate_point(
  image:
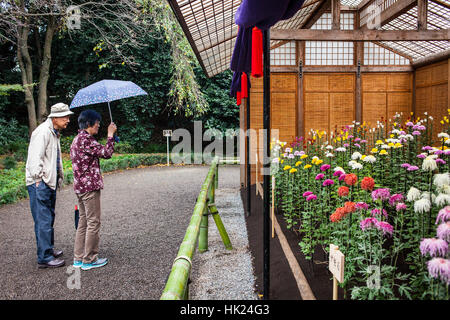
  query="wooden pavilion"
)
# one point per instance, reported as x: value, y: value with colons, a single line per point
x: 333, y: 62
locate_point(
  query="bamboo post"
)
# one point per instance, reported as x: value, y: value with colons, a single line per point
x: 203, y: 234
x: 273, y: 206
x: 257, y: 174
x: 222, y: 231
x: 176, y: 285
x: 335, y: 288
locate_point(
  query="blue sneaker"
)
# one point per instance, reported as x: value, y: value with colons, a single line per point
x: 77, y: 263
x: 96, y: 264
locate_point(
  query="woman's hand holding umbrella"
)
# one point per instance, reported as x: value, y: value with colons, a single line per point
x: 112, y: 128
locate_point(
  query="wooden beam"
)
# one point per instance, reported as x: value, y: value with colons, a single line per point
x: 422, y: 13
x: 443, y: 55
x: 320, y: 10
x: 336, y: 14
x: 441, y: 3
x: 392, y: 12
x: 359, y: 35
x: 300, y: 97
x: 340, y: 69
x: 358, y: 91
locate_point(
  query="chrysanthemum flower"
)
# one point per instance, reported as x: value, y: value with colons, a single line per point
x: 303, y: 156
x: 298, y: 163
x: 439, y: 268
x: 370, y: 159
x: 398, y: 197
x: 413, y: 194
x: 343, y: 191
x: 307, y: 193
x: 383, y: 152
x: 400, y: 206
x: 325, y: 167
x: 349, y: 207
x: 368, y: 223
x: 361, y: 206
x: 385, y: 227
x: 367, y: 183
x: 350, y: 179
x: 381, y: 194
x: 443, y: 231
x: 422, y: 205
x: 356, y: 155
x: 429, y: 164
x: 307, y: 166
x: 442, y: 199
x: 311, y: 197
x: 292, y: 170
x: 443, y: 215
x: 434, y: 247
x: 405, y: 165
x: 338, y: 173
x: 375, y: 212
x: 320, y: 176
x: 413, y: 168
x: 328, y: 182
x: 287, y: 168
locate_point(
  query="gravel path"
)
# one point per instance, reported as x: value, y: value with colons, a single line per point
x: 145, y: 213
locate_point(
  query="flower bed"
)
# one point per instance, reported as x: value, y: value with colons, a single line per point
x: 382, y: 195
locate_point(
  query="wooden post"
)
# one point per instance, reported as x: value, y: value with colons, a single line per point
x: 422, y: 13
x: 336, y: 14
x: 300, y: 101
x: 358, y: 91
x: 273, y: 206
x: 256, y: 173
x: 335, y: 288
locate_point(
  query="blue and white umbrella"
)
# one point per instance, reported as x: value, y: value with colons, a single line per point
x: 106, y: 91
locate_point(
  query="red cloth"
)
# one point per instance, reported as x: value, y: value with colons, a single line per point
x: 238, y: 98
x: 257, y: 53
x: 244, y: 84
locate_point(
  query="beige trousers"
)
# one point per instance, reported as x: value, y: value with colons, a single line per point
x: 87, y: 237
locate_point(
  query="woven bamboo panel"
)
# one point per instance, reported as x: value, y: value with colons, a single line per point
x: 341, y: 83
x: 399, y: 82
x: 316, y: 83
x: 283, y: 82
x: 373, y: 107
x: 374, y: 82
x: 317, y: 115
x: 284, y: 115
x: 257, y: 84
x: 398, y: 102
x: 432, y: 92
x: 342, y: 110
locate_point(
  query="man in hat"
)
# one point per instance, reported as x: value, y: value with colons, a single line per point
x: 44, y: 173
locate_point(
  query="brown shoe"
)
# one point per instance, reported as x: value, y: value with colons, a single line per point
x: 55, y: 263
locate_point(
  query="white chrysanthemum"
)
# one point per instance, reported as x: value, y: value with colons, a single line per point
x: 340, y: 149
x: 442, y: 199
x: 385, y: 146
x: 339, y: 169
x: 441, y: 179
x: 443, y: 135
x: 429, y: 164
x: 330, y: 147
x: 356, y: 155
x: 422, y: 205
x: 447, y: 141
x: 370, y: 159
x: 413, y: 194
x: 357, y: 166
x: 426, y: 195
x: 329, y: 155
x: 444, y: 189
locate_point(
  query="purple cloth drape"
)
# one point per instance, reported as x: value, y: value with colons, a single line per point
x: 262, y: 14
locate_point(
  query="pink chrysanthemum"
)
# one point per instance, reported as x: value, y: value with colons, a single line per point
x: 307, y: 193
x: 395, y: 198
x: 439, y: 268
x: 381, y: 194
x: 375, y: 212
x: 434, y: 247
x: 385, y: 227
x: 368, y: 223
x: 443, y: 231
x: 325, y: 167
x: 328, y: 182
x: 311, y: 197
x: 361, y: 206
x: 443, y: 215
x: 400, y: 206
x: 320, y: 176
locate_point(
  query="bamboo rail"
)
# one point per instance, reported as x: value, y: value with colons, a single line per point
x: 177, y: 284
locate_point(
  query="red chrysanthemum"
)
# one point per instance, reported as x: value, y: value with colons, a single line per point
x: 349, y: 207
x: 350, y: 179
x: 367, y: 184
x: 343, y: 191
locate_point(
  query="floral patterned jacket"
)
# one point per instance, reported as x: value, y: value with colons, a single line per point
x: 85, y: 153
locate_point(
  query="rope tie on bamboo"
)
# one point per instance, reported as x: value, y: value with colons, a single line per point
x: 185, y: 258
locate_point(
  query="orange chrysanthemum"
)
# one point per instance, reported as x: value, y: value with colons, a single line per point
x: 367, y: 184
x: 350, y: 179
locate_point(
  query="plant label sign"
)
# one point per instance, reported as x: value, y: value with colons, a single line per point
x: 336, y: 263
x: 167, y: 133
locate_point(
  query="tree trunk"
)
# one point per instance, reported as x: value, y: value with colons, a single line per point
x: 26, y: 68
x: 45, y: 70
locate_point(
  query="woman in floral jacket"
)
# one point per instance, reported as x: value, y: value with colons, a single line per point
x: 85, y: 153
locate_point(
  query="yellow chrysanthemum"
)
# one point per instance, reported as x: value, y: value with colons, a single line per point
x: 307, y: 166
x: 303, y: 156
x: 314, y: 160
x: 379, y: 142
x: 374, y: 150
x: 318, y: 162
x: 292, y: 170
x: 286, y: 168
x: 298, y: 163
x: 383, y: 152
x: 363, y: 157
x: 282, y: 161
x: 391, y: 144
x: 398, y: 145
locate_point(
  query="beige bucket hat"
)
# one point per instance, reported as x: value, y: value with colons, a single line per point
x: 59, y: 110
